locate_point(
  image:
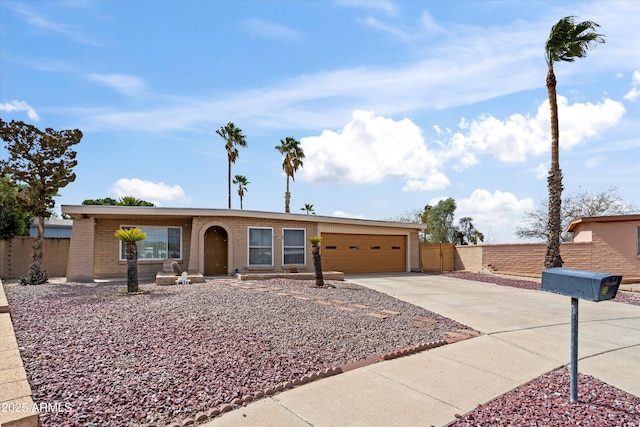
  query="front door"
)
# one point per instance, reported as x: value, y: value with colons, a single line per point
x: 215, y: 251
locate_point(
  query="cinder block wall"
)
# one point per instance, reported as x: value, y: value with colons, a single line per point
x: 468, y: 258
x: 528, y: 258
x: 17, y: 256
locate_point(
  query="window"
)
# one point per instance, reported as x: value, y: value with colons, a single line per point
x: 161, y: 243
x: 293, y: 246
x: 260, y: 246
x: 638, y: 241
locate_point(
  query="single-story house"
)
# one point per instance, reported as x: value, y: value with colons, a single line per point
x: 228, y: 241
x: 615, y: 242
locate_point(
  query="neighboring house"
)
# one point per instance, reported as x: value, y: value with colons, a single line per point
x: 53, y: 227
x: 615, y: 242
x: 226, y: 241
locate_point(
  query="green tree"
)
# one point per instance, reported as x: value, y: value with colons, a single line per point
x: 567, y: 40
x: 13, y: 220
x: 293, y: 155
x: 132, y: 201
x: 130, y: 237
x: 241, y: 182
x: 123, y: 201
x: 308, y: 208
x: 233, y: 138
x: 439, y: 221
x: 107, y: 201
x: 40, y: 163
x: 578, y: 205
x: 468, y: 233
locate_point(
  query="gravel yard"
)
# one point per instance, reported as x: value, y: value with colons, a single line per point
x: 172, y: 352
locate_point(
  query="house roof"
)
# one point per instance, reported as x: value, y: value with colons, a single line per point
x: 613, y: 218
x: 101, y: 211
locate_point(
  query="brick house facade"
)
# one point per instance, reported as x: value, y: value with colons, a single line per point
x: 226, y: 241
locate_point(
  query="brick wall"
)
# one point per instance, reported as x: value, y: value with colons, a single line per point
x: 17, y: 256
x: 107, y: 263
x: 528, y: 258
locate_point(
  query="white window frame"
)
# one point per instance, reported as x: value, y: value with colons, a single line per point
x: 249, y: 247
x: 143, y: 227
x: 304, y: 247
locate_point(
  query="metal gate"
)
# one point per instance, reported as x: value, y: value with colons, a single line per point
x: 437, y: 256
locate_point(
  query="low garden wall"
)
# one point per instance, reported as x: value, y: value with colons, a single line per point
x: 16, y: 256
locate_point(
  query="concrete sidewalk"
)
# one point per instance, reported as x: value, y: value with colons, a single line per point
x: 526, y: 335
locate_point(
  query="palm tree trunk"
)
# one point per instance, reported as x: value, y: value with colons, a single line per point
x: 131, y: 253
x: 552, y: 256
x: 287, y: 197
x: 229, y: 182
x: 317, y: 263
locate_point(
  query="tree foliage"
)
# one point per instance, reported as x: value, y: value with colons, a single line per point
x: 308, y: 209
x: 13, y: 220
x: 242, y: 182
x: 233, y: 138
x: 40, y: 163
x: 293, y: 155
x: 575, y: 206
x: 123, y: 201
x: 439, y: 221
x: 130, y: 236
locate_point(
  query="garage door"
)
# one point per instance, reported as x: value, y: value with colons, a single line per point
x: 364, y: 253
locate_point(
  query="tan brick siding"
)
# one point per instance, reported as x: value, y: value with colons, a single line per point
x: 17, y: 256
x: 107, y: 263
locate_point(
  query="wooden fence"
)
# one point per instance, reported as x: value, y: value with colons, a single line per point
x: 437, y: 256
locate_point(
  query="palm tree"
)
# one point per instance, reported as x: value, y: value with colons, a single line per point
x: 132, y: 201
x: 233, y: 137
x: 308, y: 208
x: 242, y: 182
x: 317, y: 261
x: 130, y: 236
x: 566, y: 42
x: 293, y: 155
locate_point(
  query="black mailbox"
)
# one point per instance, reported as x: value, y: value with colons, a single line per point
x: 583, y: 284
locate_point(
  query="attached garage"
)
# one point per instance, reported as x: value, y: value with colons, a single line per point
x: 364, y: 253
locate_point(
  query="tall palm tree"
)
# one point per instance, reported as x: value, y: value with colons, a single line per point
x: 308, y: 208
x: 130, y: 236
x: 566, y: 42
x: 242, y: 182
x: 233, y: 137
x: 293, y: 155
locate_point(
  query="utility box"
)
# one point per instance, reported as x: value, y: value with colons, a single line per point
x: 583, y: 284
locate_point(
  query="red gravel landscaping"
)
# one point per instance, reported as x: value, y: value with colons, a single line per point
x: 176, y: 352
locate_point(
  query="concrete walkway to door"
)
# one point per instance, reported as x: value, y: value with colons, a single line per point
x: 526, y: 334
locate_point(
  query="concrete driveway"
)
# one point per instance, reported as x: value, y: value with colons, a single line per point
x: 525, y: 334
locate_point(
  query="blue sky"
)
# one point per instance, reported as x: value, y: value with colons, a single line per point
x: 397, y: 104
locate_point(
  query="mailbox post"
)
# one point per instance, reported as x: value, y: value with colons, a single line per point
x: 588, y: 285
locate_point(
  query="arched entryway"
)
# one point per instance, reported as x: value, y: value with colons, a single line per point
x: 215, y: 251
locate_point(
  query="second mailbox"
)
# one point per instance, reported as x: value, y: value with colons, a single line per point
x: 583, y: 284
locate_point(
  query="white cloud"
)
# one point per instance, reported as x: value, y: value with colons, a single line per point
x: 541, y: 171
x: 269, y: 30
x: 370, y: 149
x: 594, y: 161
x: 124, y: 83
x: 518, y: 136
x: 496, y: 215
x: 146, y: 190
x: 16, y: 105
x: 634, y: 93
